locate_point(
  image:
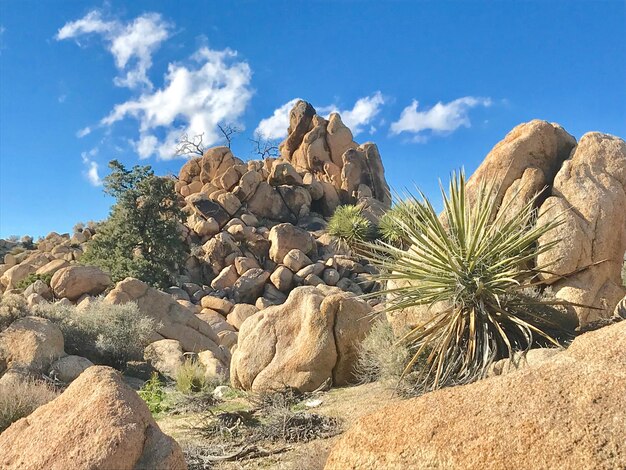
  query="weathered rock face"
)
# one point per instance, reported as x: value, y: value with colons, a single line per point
x: 30, y: 344
x: 565, y: 413
x: 525, y: 162
x: 68, y: 368
x: 312, y: 337
x: 74, y: 281
x: 590, y: 195
x: 174, y: 320
x: 166, y: 356
x: 98, y: 422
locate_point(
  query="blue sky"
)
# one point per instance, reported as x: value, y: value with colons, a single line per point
x: 434, y: 84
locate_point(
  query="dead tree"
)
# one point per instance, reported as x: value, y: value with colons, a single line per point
x: 264, y: 147
x: 189, y: 147
x: 228, y: 131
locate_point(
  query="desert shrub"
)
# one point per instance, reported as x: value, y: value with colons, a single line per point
x: 141, y: 237
x: 390, y: 225
x: 19, y: 398
x: 153, y: 394
x: 191, y: 378
x: 381, y: 355
x: 104, y: 333
x: 474, y: 267
x: 31, y: 278
x: 349, y: 226
x: 12, y: 307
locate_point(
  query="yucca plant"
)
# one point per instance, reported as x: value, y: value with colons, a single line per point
x: 475, y: 264
x: 390, y: 228
x: 349, y: 226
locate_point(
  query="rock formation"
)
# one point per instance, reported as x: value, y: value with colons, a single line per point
x: 567, y: 412
x: 309, y: 339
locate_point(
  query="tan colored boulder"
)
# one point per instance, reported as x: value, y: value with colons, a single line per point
x: 215, y: 162
x: 267, y: 203
x: 282, y: 277
x: 240, y: 313
x: 284, y: 173
x: 309, y: 339
x: 226, y: 278
x: 52, y: 267
x: 286, y: 237
x: 217, y: 322
x: 222, y: 306
x: 590, y: 196
x: 174, y: 321
x: 190, y: 171
x: 339, y: 138
x: 31, y: 344
x: 12, y: 276
x: 97, y: 423
x: 363, y: 166
x: 250, y: 286
x: 300, y: 122
x: 74, y: 281
x: 566, y: 413
x: 214, y: 368
x: 525, y: 161
x: 166, y: 356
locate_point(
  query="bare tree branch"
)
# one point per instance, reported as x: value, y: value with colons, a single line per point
x: 264, y: 147
x: 193, y: 146
x: 228, y: 131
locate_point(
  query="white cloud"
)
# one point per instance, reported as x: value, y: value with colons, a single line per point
x: 275, y: 126
x: 92, y: 167
x: 131, y: 44
x: 213, y: 89
x: 62, y: 98
x: 83, y: 132
x: 361, y: 114
x: 442, y: 118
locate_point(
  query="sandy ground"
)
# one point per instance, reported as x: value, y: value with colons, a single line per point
x: 347, y: 404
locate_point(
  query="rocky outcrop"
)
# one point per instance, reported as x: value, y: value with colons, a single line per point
x: 589, y: 195
x: 309, y: 339
x: 174, y: 321
x: 73, y: 282
x: 98, y: 422
x: 567, y: 412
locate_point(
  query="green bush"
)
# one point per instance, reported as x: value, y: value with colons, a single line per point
x: 475, y: 265
x: 19, y: 398
x: 104, y: 333
x: 141, y: 237
x: 12, y: 307
x: 390, y: 225
x: 191, y: 378
x: 349, y: 226
x: 31, y: 278
x: 153, y: 394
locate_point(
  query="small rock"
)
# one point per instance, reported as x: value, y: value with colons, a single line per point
x: 68, y: 368
x: 295, y: 260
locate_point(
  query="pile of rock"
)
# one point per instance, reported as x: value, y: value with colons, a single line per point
x: 257, y: 228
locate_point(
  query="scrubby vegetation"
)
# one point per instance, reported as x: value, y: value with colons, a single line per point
x: 19, y: 398
x: 391, y: 225
x: 31, y: 278
x: 12, y: 307
x: 350, y: 227
x: 141, y: 237
x: 191, y: 378
x: 153, y: 394
x: 103, y: 333
x: 472, y: 264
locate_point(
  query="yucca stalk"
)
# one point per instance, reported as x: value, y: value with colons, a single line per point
x: 473, y: 262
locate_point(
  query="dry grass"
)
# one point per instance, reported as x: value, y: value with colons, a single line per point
x: 19, y: 398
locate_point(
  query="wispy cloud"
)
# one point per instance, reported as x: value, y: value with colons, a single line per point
x: 91, y: 171
x: 83, y: 132
x: 357, y: 118
x: 131, y: 44
x: 442, y: 118
x: 275, y: 126
x: 213, y: 88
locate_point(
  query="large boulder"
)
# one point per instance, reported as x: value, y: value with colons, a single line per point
x: 309, y: 339
x: 174, y: 321
x: 72, y: 282
x: 567, y: 412
x: 286, y: 237
x: 30, y: 344
x: 590, y: 196
x: 97, y: 423
x: 166, y: 356
x: 524, y: 162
